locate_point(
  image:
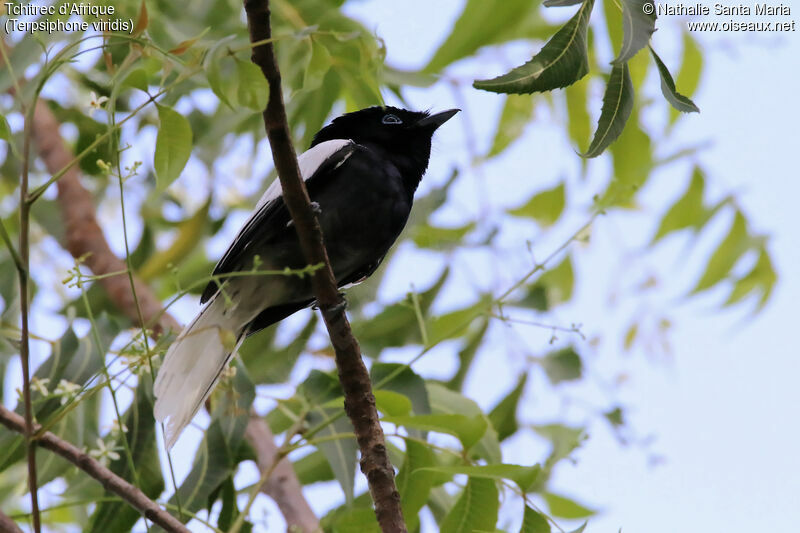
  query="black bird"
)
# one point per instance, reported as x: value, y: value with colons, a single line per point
x: 361, y: 172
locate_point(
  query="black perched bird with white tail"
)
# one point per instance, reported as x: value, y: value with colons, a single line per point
x: 361, y: 172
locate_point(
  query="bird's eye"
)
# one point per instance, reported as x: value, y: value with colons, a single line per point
x: 391, y: 119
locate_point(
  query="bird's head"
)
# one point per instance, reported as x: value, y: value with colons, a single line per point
x: 401, y: 135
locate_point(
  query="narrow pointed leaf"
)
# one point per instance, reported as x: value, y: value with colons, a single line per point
x: 5, y: 130
x: 637, y: 28
x: 760, y: 280
x: 688, y: 78
x: 564, y: 507
x: 523, y: 476
x: 504, y: 414
x: 468, y: 429
x: 476, y: 508
x: 732, y: 247
x: 515, y: 117
x: 676, y: 99
x: 688, y: 212
x: 544, y: 207
x: 617, y: 107
x: 413, y: 483
x: 561, y: 3
x: 561, y: 62
x: 534, y: 522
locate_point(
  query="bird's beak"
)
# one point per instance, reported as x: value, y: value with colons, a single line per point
x: 434, y: 121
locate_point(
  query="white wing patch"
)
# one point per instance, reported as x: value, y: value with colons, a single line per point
x: 309, y: 161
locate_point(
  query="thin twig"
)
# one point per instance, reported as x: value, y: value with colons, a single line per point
x: 24, y: 350
x: 359, y: 400
x: 109, y: 479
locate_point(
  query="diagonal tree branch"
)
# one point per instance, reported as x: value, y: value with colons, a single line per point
x: 84, y: 236
x: 359, y: 401
x: 113, y: 483
x: 7, y: 525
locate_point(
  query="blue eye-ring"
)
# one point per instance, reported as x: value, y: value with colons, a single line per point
x: 391, y: 119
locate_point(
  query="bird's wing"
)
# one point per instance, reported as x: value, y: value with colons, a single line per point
x: 328, y: 154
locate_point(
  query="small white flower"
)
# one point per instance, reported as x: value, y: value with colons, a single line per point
x: 117, y: 427
x: 66, y: 390
x: 40, y: 385
x: 103, y: 452
x: 96, y: 102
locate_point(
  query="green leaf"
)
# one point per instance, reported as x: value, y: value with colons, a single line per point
x: 320, y: 388
x: 617, y: 107
x: 560, y: 3
x: 141, y: 436
x: 482, y: 22
x: 268, y: 363
x: 732, y: 247
x: 468, y: 429
x: 504, y: 415
x: 676, y: 99
x: 357, y: 520
x: 138, y: 79
x: 554, y: 287
x: 396, y: 324
x: 566, y: 508
x: 582, y: 528
x: 561, y: 62
x: 760, y: 280
x: 313, y: 468
x: 564, y: 441
x: 438, y: 238
x: 414, y: 483
x: 580, y: 123
x: 516, y: 115
x: 467, y: 354
x: 5, y: 130
x: 563, y: 365
x: 691, y: 70
x: 252, y: 90
x: 392, y: 403
x: 455, y: 323
x: 318, y: 65
x: 633, y: 162
x: 688, y: 211
x: 173, y: 145
x: 523, y: 476
x: 446, y: 401
x: 534, y: 522
x: 638, y: 26
x: 218, y: 455
x: 220, y: 74
x: 544, y: 207
x: 476, y: 508
x: 188, y: 237
x: 403, y: 381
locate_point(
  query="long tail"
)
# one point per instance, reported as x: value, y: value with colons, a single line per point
x: 193, y: 365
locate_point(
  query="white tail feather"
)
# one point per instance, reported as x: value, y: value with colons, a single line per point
x: 192, y: 367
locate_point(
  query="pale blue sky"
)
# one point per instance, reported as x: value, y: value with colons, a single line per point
x: 724, y: 409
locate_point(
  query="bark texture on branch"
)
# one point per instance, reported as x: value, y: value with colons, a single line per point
x: 109, y: 480
x: 353, y: 375
x: 83, y: 235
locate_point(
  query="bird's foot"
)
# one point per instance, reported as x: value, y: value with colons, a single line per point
x: 316, y: 208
